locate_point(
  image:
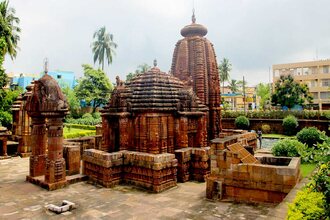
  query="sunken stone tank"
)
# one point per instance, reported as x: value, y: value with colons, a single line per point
x: 154, y: 113
x: 194, y: 62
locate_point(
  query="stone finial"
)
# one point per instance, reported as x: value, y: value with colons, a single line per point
x: 193, y: 18
x: 155, y: 62
x: 46, y: 65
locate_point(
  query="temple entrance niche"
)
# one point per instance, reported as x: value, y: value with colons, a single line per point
x: 47, y: 108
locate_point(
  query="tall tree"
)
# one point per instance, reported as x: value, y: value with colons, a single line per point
x: 9, y: 29
x: 263, y: 91
x: 224, y: 69
x: 73, y: 101
x: 289, y: 93
x: 103, y: 47
x: 233, y: 85
x: 94, y: 87
x: 142, y: 68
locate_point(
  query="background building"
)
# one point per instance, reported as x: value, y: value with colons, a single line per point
x: 64, y: 78
x: 236, y: 99
x: 316, y: 74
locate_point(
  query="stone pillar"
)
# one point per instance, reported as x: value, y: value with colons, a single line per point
x: 39, y: 147
x: 25, y: 146
x: 4, y: 146
x: 201, y: 136
x: 124, y: 137
x: 55, y: 165
x: 181, y: 133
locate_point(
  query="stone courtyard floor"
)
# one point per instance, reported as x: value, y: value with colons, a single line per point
x: 23, y: 200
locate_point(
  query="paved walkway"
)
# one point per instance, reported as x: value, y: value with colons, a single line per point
x: 23, y: 200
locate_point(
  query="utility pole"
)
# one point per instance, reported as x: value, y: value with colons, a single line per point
x: 244, y: 94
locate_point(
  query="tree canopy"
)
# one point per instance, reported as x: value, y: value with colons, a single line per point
x: 94, y: 87
x: 8, y: 28
x: 233, y: 85
x: 224, y: 70
x: 289, y: 93
x: 263, y: 91
x: 103, y: 47
x: 142, y: 68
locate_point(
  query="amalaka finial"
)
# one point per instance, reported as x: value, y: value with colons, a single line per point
x: 46, y: 65
x: 155, y: 62
x: 193, y: 18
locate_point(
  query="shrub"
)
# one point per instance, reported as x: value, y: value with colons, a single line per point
x: 265, y: 128
x: 96, y: 115
x: 79, y: 126
x: 286, y: 148
x: 311, y: 136
x: 87, y: 115
x: 242, y: 122
x: 307, y: 205
x: 5, y: 118
x: 79, y: 134
x: 321, y: 181
x: 318, y: 155
x: 290, y: 124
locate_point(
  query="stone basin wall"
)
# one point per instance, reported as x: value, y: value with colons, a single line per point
x: 237, y: 175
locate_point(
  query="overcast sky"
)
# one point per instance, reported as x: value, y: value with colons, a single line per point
x: 252, y: 34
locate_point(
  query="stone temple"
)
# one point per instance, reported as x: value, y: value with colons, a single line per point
x: 157, y: 129
x: 194, y: 62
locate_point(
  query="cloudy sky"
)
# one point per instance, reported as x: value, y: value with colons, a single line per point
x: 252, y: 34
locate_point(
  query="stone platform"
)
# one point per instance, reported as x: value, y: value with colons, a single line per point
x: 22, y: 200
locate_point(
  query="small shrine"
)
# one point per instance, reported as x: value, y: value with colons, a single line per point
x: 47, y: 108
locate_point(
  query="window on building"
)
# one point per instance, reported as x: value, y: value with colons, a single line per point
x: 325, y: 95
x: 305, y: 71
x: 326, y: 69
x: 59, y: 76
x: 325, y: 82
x: 313, y: 83
x: 314, y: 70
x: 315, y: 95
x: 299, y: 71
x: 276, y: 73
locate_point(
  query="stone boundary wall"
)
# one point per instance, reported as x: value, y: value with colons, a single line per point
x: 276, y: 124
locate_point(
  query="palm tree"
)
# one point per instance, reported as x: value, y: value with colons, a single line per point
x: 142, y: 68
x: 233, y: 85
x: 224, y: 69
x: 103, y: 46
x: 8, y: 29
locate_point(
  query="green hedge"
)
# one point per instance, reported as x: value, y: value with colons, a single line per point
x: 79, y: 126
x: 277, y: 114
x: 79, y: 134
x: 307, y: 205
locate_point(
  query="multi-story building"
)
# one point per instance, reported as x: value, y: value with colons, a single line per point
x: 316, y: 74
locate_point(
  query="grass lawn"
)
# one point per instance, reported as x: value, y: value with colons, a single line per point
x: 76, y: 132
x: 307, y: 168
x: 276, y: 136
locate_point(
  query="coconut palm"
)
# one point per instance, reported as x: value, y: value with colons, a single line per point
x: 8, y: 29
x: 233, y: 85
x: 224, y: 69
x: 142, y: 68
x: 103, y: 46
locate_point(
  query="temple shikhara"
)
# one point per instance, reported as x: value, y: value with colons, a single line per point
x: 194, y: 62
x: 157, y: 129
